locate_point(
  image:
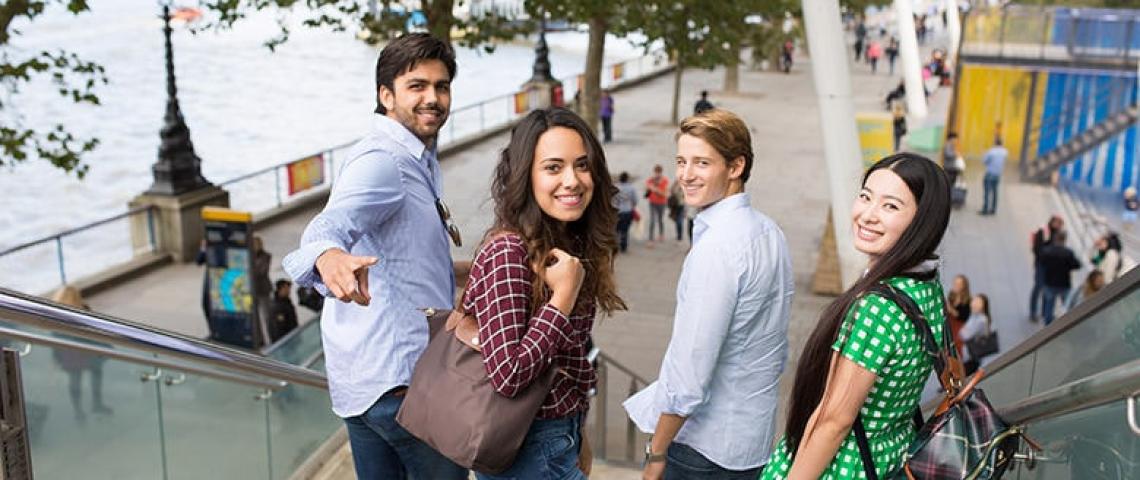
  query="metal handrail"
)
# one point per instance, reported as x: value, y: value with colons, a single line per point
x: 271, y: 168
x: 137, y: 358
x: 268, y: 350
x: 78, y: 229
x: 34, y: 312
x: 604, y: 362
x: 1094, y: 390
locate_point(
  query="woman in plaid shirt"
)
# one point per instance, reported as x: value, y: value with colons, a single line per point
x: 542, y: 273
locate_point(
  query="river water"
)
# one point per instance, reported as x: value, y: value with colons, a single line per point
x: 247, y: 107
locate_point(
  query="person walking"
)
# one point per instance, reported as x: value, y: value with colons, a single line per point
x: 994, y: 160
x: 874, y: 52
x: 786, y: 55
x: 892, y: 53
x: 703, y: 104
x: 657, y: 191
x: 626, y: 203
x: 677, y: 208
x: 1058, y: 262
x: 607, y: 114
x: 1131, y: 206
x: 262, y: 291
x: 1041, y: 237
x: 860, y: 37
x: 542, y: 274
x: 384, y: 235
x: 863, y: 367
x: 898, y: 115
x: 712, y: 409
x: 958, y: 301
x: 950, y: 159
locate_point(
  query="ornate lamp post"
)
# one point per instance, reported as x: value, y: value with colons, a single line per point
x: 172, y: 222
x: 544, y: 90
x: 178, y: 169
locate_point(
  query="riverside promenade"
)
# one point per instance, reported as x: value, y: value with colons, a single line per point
x: 789, y: 184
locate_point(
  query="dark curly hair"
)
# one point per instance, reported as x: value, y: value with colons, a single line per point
x: 592, y: 237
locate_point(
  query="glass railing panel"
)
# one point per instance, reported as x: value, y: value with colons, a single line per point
x: 1011, y: 383
x: 1108, y: 338
x: 300, y: 346
x: 300, y: 421
x: 72, y: 433
x: 213, y: 426
x: 1089, y: 444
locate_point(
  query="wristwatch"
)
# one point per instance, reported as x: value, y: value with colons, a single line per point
x: 650, y: 457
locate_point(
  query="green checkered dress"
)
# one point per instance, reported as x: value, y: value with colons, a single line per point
x: 877, y: 336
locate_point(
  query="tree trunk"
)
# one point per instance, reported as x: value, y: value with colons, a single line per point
x: 732, y: 72
x: 680, y: 68
x: 592, y: 85
x: 439, y: 18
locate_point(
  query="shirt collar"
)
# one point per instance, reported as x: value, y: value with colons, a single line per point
x: 713, y: 213
x: 401, y: 135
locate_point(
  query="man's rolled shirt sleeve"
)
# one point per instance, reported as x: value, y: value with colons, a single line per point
x: 369, y: 189
x: 703, y: 317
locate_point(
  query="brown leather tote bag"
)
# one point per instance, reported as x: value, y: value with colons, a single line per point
x: 452, y: 406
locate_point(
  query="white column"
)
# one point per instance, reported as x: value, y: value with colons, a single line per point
x: 837, y: 119
x: 911, y: 64
x: 954, y: 24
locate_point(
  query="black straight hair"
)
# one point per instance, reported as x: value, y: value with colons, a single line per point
x: 929, y: 185
x: 401, y: 56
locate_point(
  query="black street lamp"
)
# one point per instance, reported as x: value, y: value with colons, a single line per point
x: 178, y: 169
x: 541, y: 59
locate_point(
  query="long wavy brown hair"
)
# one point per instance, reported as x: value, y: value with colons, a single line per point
x: 592, y: 238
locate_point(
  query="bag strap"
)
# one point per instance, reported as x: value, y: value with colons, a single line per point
x: 864, y: 448
x: 943, y: 354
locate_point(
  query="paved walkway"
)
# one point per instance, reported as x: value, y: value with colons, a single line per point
x: 788, y: 183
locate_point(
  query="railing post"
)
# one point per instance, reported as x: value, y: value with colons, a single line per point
x: 482, y: 124
x: 630, y: 435
x: 277, y: 184
x: 600, y: 417
x: 150, y: 228
x: 332, y: 168
x: 59, y: 260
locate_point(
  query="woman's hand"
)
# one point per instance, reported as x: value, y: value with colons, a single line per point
x: 564, y: 277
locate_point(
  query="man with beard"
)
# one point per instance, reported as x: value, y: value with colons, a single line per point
x: 380, y: 246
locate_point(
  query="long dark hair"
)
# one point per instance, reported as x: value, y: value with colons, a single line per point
x: 593, y: 237
x: 930, y: 187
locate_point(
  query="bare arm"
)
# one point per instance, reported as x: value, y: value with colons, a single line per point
x: 846, y: 390
x: 667, y: 427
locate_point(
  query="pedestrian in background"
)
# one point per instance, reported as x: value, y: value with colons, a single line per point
x: 892, y: 53
x: 1131, y: 206
x: 1094, y: 281
x: 1058, y: 261
x: 703, y: 104
x: 1040, y: 239
x: 282, y: 313
x: 864, y: 366
x: 657, y: 191
x: 626, y: 203
x: 994, y: 160
x: 978, y: 323
x: 607, y: 114
x: 677, y: 208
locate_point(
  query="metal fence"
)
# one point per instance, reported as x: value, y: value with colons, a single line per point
x: 97, y: 246
x: 1054, y: 34
x: 39, y: 265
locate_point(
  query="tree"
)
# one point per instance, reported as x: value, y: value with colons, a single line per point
x: 381, y: 19
x: 74, y: 78
x: 603, y: 17
x: 696, y: 33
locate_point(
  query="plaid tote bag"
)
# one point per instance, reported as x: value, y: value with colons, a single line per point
x: 965, y: 438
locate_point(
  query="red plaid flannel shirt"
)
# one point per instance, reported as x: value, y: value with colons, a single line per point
x: 517, y: 345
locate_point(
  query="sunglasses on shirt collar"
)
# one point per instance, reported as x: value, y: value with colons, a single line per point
x: 445, y: 217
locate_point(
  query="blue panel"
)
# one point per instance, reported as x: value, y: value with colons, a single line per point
x: 1050, y: 111
x: 1103, y: 102
x: 1080, y: 119
x: 1127, y: 168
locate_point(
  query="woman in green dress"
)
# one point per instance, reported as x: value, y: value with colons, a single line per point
x: 865, y: 355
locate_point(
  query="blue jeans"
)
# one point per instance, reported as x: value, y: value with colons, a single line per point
x: 549, y: 452
x: 990, y: 184
x: 684, y: 463
x: 1051, y: 296
x: 657, y: 220
x: 383, y: 450
x: 625, y: 220
x: 1038, y: 288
